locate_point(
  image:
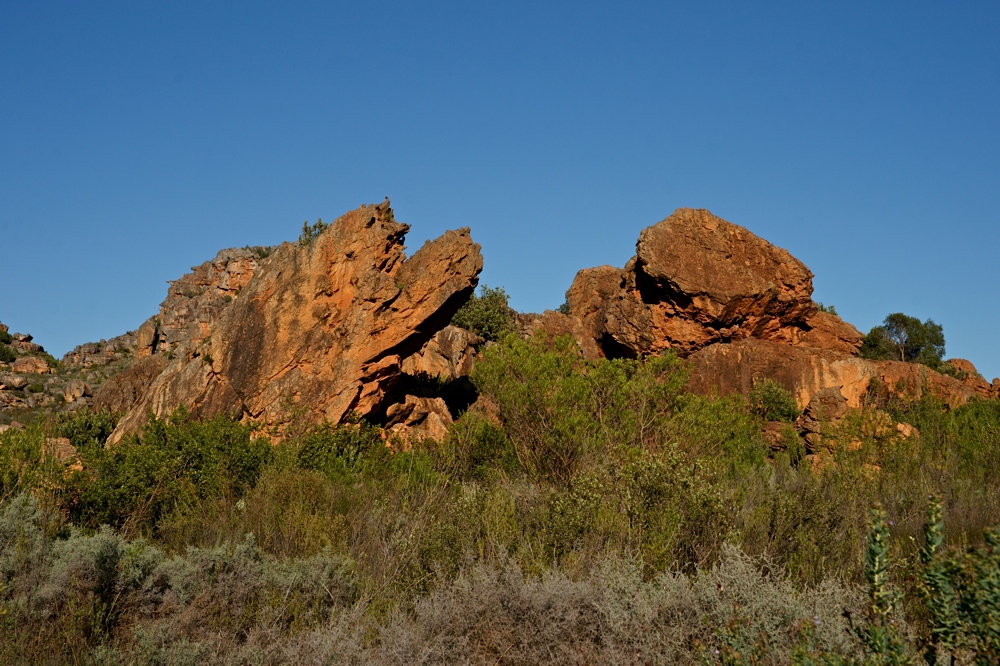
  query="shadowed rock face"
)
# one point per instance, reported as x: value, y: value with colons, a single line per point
x: 320, y: 328
x: 696, y: 280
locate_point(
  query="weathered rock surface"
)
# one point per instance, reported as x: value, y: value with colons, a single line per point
x: 419, y: 418
x: 554, y: 324
x: 734, y: 367
x: 13, y: 382
x: 827, y: 405
x: 446, y: 356
x: 322, y: 327
x: 75, y: 390
x: 29, y: 365
x: 697, y: 280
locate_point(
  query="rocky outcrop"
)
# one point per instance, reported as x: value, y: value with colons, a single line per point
x: 446, y: 356
x: 192, y: 305
x: 28, y: 365
x: 806, y: 372
x: 697, y: 280
x: 322, y: 327
x: 418, y: 418
x: 196, y: 300
x: 741, y: 310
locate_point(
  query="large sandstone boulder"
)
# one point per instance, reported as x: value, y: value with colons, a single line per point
x: 696, y: 280
x: 321, y: 327
x: 29, y: 365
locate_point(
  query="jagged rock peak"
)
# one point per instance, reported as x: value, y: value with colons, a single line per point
x: 321, y: 327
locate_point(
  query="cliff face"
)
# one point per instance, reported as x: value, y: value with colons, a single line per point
x: 319, y: 329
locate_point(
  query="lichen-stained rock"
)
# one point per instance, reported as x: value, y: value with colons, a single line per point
x: 321, y: 327
x: 552, y: 325
x: 823, y: 331
x: 29, y: 365
x: 734, y: 368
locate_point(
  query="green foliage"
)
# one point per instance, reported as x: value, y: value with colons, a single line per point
x: 86, y: 429
x: 340, y: 451
x: 478, y: 449
x: 564, y: 308
x: 487, y: 314
x: 7, y: 354
x: 50, y: 360
x: 136, y: 483
x: 880, y: 637
x: 829, y: 309
x: 311, y: 231
x: 772, y: 402
x: 559, y: 410
x: 261, y: 251
x: 904, y: 338
x: 936, y: 587
x: 5, y: 337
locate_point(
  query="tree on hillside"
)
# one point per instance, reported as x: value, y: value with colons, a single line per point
x: 905, y: 338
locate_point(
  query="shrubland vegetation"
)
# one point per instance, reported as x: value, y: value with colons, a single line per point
x: 582, y: 512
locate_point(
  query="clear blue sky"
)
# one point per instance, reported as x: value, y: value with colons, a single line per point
x: 138, y: 138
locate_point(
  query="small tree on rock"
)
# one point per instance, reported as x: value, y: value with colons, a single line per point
x: 905, y: 338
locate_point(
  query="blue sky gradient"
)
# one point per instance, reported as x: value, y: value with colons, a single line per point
x: 138, y: 139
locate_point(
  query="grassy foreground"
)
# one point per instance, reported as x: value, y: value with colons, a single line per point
x: 594, y: 513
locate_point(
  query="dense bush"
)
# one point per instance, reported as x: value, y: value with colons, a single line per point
x: 772, y: 402
x: 487, y: 314
x: 560, y: 411
x: 174, y: 462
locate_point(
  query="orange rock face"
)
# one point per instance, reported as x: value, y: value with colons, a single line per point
x: 734, y: 367
x: 696, y: 280
x: 320, y: 328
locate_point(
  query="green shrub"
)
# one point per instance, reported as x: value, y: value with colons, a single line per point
x: 35, y: 387
x: 487, y: 314
x: 476, y: 448
x: 311, y: 231
x: 559, y: 409
x: 7, y: 355
x: 177, y: 461
x: 86, y: 429
x: 5, y: 337
x: 772, y: 402
x: 829, y: 309
x: 341, y: 450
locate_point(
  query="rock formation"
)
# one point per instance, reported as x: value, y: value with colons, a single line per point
x: 696, y: 280
x: 740, y: 309
x: 322, y: 326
